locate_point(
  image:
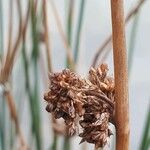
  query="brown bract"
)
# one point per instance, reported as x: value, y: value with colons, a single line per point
x: 92, y: 100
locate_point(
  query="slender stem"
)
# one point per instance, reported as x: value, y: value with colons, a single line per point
x: 49, y: 63
x: 10, y: 25
x: 132, y: 42
x: 69, y: 26
x: 70, y: 21
x: 34, y: 97
x: 79, y: 27
x: 10, y: 29
x: 121, y: 75
x: 84, y: 146
x: 66, y: 142
x: 3, y: 123
x: 9, y: 60
x: 14, y: 116
x: 66, y: 145
x: 145, y: 140
x: 46, y: 33
x: 55, y: 142
x: 1, y: 30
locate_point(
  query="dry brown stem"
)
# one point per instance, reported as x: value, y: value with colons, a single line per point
x: 107, y: 41
x: 14, y: 116
x: 10, y: 26
x: 8, y: 62
x: 46, y: 37
x: 5, y: 72
x: 121, y: 76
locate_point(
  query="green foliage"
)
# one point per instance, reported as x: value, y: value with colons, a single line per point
x: 145, y: 144
x: 55, y: 143
x: 1, y: 29
x: 132, y: 42
x: 79, y: 27
x: 33, y: 91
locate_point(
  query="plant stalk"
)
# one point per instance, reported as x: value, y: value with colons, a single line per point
x: 145, y: 139
x: 132, y: 42
x: 121, y: 75
x: 78, y: 32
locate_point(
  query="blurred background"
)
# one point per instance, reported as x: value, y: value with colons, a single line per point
x: 42, y: 36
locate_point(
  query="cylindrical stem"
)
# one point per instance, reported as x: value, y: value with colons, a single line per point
x: 121, y: 79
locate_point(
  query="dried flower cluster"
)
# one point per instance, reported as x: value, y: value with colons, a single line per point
x: 92, y: 100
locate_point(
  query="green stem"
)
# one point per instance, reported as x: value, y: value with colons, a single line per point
x: 12, y: 134
x: 69, y: 21
x: 1, y: 29
x: 132, y: 42
x: 55, y: 142
x: 69, y: 26
x: 1, y: 126
x: 3, y: 118
x: 145, y: 140
x: 35, y: 96
x: 33, y: 99
x: 79, y: 27
x: 66, y: 143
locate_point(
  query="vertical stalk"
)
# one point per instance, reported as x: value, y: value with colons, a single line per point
x: 49, y: 63
x: 70, y: 21
x: 69, y: 26
x: 1, y: 30
x: 145, y: 139
x: 3, y: 119
x: 121, y: 75
x: 79, y: 27
x: 14, y: 116
x: 132, y: 42
x: 34, y: 97
x: 46, y: 36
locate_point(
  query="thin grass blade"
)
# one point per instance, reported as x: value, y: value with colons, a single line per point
x: 145, y: 144
x: 133, y: 41
x: 69, y: 25
x: 79, y: 28
x: 1, y: 29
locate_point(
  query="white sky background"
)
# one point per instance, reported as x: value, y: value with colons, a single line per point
x: 96, y: 27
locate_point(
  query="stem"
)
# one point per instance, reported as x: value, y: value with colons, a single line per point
x: 132, y: 42
x: 14, y: 116
x: 46, y: 36
x: 34, y: 97
x: 66, y: 143
x: 69, y: 26
x: 145, y: 142
x: 10, y: 26
x: 55, y: 142
x: 3, y: 123
x: 49, y: 63
x: 1, y: 30
x: 70, y: 21
x: 121, y: 75
x: 79, y: 27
